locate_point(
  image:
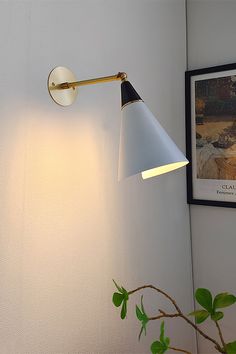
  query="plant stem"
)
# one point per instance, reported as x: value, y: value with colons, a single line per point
x: 159, y: 291
x: 178, y: 314
x: 221, y: 335
x: 164, y: 315
x: 179, y: 350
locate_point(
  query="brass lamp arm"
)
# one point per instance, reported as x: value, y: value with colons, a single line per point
x: 63, y: 85
x: 67, y: 85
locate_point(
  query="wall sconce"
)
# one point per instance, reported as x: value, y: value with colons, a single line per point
x: 145, y: 147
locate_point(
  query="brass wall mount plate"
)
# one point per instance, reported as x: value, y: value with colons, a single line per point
x: 59, y: 75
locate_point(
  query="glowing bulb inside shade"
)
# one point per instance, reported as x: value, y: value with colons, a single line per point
x: 162, y: 169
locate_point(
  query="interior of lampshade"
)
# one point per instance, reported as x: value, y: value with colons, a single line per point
x: 162, y: 169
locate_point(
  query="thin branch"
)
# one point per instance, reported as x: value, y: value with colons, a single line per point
x: 159, y: 291
x: 179, y: 350
x: 163, y: 314
x: 166, y: 315
x: 221, y: 335
x: 179, y: 314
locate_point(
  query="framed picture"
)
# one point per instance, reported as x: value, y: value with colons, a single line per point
x: 211, y: 135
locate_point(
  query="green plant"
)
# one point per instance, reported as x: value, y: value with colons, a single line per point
x: 209, y: 310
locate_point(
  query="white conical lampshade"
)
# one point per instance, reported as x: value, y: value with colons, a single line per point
x: 145, y: 147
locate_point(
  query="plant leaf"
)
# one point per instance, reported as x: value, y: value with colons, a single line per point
x: 204, y: 298
x: 140, y: 333
x: 217, y: 316
x: 162, y: 332
x: 117, y: 286
x: 142, y: 307
x: 200, y: 315
x: 167, y: 341
x: 144, y: 325
x: 160, y: 347
x: 145, y: 328
x: 123, y: 310
x: 231, y: 348
x: 143, y: 318
x: 117, y: 299
x: 139, y: 313
x: 125, y: 293
x: 157, y: 348
x: 223, y: 300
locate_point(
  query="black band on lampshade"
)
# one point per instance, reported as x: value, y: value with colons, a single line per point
x: 128, y: 93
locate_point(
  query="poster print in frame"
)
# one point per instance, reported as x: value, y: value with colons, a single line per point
x: 211, y: 135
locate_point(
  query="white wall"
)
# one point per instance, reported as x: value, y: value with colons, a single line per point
x: 67, y: 226
x: 211, y: 38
